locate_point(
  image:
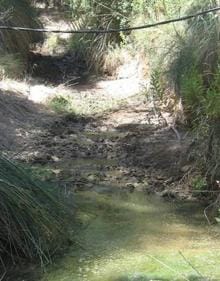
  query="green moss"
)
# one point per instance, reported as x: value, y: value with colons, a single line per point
x: 130, y: 237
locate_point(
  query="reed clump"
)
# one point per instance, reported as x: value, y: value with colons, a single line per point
x: 33, y: 216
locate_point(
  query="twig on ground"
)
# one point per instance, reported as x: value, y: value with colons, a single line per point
x: 168, y: 267
x: 190, y: 264
x: 176, y: 132
x: 171, y: 126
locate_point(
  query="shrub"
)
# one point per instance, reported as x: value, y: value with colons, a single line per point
x: 195, y: 49
x: 32, y: 222
x: 59, y: 104
x: 212, y: 102
x: 91, y: 49
x: 199, y: 183
x: 11, y: 65
x: 13, y: 44
x: 192, y: 92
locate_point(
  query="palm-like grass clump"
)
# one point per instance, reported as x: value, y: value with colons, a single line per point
x: 32, y: 220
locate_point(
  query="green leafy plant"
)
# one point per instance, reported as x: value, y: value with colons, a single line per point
x: 217, y: 219
x: 59, y: 104
x: 192, y: 91
x: 156, y: 84
x: 212, y: 100
x: 91, y: 49
x: 199, y: 183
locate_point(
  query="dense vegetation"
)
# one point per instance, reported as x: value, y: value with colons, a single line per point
x: 195, y: 73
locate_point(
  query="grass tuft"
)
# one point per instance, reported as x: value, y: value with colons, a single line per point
x: 32, y: 222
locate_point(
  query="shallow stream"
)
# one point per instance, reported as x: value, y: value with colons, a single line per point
x: 137, y: 237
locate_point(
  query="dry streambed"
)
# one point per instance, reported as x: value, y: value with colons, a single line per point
x: 117, y: 141
x: 117, y: 145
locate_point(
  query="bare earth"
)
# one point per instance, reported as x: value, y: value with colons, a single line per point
x: 126, y: 146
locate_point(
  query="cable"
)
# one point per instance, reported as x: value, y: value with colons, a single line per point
x: 111, y: 30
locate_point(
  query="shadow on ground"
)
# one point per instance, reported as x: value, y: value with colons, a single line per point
x: 19, y: 118
x: 67, y: 69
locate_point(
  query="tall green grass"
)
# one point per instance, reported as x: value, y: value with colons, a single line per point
x: 192, y: 62
x: 33, y: 216
x: 193, y: 67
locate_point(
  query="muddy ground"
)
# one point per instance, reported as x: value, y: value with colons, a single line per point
x: 129, y: 146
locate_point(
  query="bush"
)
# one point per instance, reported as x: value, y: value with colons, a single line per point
x: 195, y: 50
x: 60, y: 104
x: 192, y: 92
x: 12, y: 65
x: 32, y: 222
x: 16, y: 44
x: 194, y: 71
x: 212, y: 101
x: 91, y: 49
x: 199, y: 183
